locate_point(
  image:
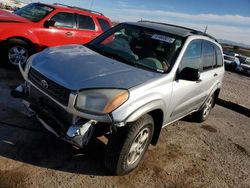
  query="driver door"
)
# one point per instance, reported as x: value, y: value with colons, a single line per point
x: 187, y: 95
x: 63, y: 32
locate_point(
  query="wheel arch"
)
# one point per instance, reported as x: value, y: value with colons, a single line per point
x: 157, y: 116
x: 156, y: 109
x: 216, y: 95
x: 20, y: 39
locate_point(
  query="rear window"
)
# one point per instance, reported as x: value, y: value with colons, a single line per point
x: 86, y: 22
x: 104, y: 24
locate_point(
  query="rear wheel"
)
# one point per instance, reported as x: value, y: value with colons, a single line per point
x: 16, y: 51
x: 128, y: 145
x: 203, y: 113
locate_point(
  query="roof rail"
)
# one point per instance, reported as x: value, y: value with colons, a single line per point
x: 193, y: 31
x: 74, y: 7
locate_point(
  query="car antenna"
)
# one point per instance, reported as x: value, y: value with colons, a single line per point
x: 205, y: 29
x: 91, y: 5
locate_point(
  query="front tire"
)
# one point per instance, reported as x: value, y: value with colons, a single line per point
x: 16, y: 51
x: 128, y: 145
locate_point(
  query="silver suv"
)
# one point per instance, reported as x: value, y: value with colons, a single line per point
x: 126, y: 84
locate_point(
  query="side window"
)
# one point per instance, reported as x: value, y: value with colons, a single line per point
x: 192, y: 56
x: 219, y: 61
x: 64, y: 19
x: 104, y: 24
x: 86, y: 22
x: 208, y: 60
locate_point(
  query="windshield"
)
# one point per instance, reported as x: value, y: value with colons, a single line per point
x: 140, y: 47
x: 34, y: 12
x: 229, y: 58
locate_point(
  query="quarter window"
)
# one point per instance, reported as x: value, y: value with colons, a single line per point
x: 63, y: 19
x: 192, y: 56
x: 86, y: 22
x: 208, y: 55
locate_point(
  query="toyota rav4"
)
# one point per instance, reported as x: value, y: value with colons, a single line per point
x: 126, y: 84
x: 38, y: 26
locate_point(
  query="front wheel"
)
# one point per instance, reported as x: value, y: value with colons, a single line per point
x: 15, y: 52
x: 128, y: 145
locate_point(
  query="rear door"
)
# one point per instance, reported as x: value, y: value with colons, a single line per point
x: 212, y: 67
x: 186, y: 95
x: 87, y: 29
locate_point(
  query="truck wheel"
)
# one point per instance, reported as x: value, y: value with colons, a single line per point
x: 128, y: 145
x: 203, y: 113
x: 16, y: 51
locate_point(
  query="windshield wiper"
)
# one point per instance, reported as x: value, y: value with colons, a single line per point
x: 110, y: 55
x: 148, y: 68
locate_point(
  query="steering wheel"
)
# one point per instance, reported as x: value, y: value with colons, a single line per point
x: 165, y: 64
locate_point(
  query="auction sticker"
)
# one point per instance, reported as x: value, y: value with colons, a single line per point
x: 163, y: 38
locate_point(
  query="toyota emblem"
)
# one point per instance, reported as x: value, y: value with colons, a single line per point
x: 44, y: 84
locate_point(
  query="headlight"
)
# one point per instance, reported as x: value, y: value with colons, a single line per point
x: 101, y: 100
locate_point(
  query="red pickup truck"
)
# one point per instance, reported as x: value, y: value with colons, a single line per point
x: 38, y: 26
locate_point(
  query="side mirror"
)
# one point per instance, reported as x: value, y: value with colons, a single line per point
x: 49, y: 23
x: 189, y: 74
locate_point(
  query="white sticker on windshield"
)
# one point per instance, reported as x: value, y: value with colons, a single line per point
x: 163, y: 38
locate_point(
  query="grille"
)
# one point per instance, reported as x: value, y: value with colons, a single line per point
x: 53, y: 89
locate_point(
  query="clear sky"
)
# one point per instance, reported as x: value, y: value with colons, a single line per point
x: 226, y: 19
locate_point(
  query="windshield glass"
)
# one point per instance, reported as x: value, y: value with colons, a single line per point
x: 229, y: 58
x: 140, y: 47
x: 34, y: 12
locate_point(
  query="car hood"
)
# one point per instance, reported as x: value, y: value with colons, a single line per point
x: 77, y: 67
x: 6, y: 16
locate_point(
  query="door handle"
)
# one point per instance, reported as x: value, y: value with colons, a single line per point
x: 93, y: 35
x: 215, y: 74
x: 69, y: 34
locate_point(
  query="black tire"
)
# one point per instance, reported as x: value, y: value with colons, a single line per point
x: 16, y: 50
x: 232, y: 67
x: 202, y: 114
x: 118, y: 156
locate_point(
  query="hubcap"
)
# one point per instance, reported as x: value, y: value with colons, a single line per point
x: 138, y: 146
x: 17, y: 54
x: 208, y: 106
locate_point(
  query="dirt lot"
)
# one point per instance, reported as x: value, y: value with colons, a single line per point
x: 215, y: 153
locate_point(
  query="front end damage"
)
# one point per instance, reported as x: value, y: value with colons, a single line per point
x: 56, y: 119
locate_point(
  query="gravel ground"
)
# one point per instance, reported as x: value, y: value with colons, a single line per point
x: 215, y: 153
x: 236, y: 88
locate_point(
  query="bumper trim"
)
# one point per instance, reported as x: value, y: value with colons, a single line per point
x: 46, y: 126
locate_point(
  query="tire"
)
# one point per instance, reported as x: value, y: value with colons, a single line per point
x: 16, y: 50
x: 120, y: 156
x: 233, y: 66
x: 202, y: 114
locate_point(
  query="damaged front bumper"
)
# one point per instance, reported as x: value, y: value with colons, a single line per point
x: 56, y: 119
